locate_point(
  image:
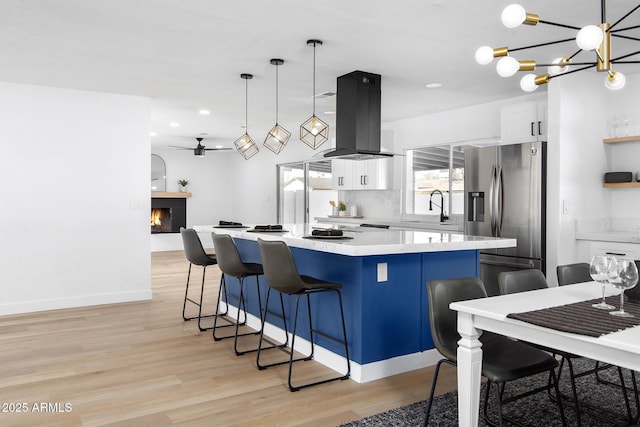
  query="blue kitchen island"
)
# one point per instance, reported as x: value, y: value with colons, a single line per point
x: 384, y: 275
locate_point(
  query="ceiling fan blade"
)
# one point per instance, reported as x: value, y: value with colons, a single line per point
x: 180, y: 148
x: 217, y: 149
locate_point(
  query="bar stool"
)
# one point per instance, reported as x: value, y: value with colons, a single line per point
x: 231, y: 264
x: 283, y: 277
x: 195, y: 254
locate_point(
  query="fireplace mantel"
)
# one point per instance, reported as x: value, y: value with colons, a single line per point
x: 170, y: 195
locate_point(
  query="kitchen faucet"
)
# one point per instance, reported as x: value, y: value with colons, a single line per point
x: 443, y: 217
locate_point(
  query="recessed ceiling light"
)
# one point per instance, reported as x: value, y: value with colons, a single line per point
x: 218, y: 146
x: 329, y: 112
x: 152, y: 134
x: 204, y: 112
x: 433, y: 85
x: 204, y: 133
x: 174, y: 124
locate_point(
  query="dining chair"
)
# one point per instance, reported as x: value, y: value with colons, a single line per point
x: 196, y: 255
x: 503, y: 359
x: 569, y: 274
x: 231, y: 264
x: 283, y: 277
x: 527, y: 280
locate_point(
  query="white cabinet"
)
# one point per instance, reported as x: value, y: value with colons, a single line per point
x: 341, y: 174
x: 524, y: 122
x: 621, y: 250
x: 374, y: 174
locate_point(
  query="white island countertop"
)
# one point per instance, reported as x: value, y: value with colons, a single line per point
x: 369, y: 241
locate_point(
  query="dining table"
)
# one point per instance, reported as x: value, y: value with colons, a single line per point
x: 618, y: 343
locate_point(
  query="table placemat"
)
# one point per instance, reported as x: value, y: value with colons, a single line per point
x: 582, y: 319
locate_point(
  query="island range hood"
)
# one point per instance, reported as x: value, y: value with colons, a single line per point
x: 358, y: 117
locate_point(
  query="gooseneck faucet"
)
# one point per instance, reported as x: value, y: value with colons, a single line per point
x: 443, y: 217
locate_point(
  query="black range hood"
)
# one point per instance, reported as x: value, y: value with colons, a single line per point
x: 358, y: 117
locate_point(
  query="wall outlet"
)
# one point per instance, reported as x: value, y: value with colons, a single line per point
x: 382, y: 272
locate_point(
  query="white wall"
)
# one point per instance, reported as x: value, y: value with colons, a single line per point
x: 75, y: 219
x: 579, y: 108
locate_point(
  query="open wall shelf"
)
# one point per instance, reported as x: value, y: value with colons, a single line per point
x: 621, y: 184
x: 170, y: 195
x: 622, y: 139
x: 633, y: 138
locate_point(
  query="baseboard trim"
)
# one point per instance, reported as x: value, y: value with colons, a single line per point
x: 73, y: 302
x: 359, y: 373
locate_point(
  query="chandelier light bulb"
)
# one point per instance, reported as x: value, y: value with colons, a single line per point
x: 507, y: 66
x: 484, y: 55
x: 527, y: 83
x: 589, y: 37
x: 615, y: 81
x: 557, y: 69
x: 513, y: 15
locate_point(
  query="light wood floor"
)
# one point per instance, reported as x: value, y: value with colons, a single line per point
x: 140, y: 364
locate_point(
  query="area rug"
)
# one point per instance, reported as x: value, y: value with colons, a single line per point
x: 536, y: 410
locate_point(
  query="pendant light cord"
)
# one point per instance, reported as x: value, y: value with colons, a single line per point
x: 276, y: 94
x: 314, y: 78
x: 246, y: 106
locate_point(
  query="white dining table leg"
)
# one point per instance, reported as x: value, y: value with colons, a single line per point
x: 469, y: 371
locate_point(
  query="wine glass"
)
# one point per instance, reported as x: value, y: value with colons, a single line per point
x: 599, y: 271
x: 623, y: 274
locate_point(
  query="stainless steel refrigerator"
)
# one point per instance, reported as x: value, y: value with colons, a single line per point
x: 505, y: 194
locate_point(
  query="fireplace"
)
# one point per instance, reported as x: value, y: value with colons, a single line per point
x: 168, y: 215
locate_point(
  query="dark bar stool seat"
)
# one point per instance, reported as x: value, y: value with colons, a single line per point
x: 283, y: 277
x: 231, y: 264
x: 196, y: 255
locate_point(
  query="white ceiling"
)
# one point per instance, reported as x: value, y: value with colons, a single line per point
x: 188, y: 55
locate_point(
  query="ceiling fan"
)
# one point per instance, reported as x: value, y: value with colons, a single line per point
x: 200, y: 149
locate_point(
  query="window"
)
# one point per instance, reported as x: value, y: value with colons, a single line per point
x: 304, y: 191
x: 434, y: 168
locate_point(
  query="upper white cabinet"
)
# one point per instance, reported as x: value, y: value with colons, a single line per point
x: 524, y: 122
x: 374, y: 174
x: 341, y: 174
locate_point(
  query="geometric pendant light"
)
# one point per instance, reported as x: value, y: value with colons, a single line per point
x: 278, y: 136
x: 245, y: 145
x: 314, y: 132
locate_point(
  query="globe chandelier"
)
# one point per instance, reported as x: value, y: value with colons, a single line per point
x: 591, y: 38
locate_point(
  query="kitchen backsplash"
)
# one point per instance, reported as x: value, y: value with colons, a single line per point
x: 374, y: 203
x: 608, y: 224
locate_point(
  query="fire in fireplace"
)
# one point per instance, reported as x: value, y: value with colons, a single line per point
x: 160, y: 220
x: 168, y: 215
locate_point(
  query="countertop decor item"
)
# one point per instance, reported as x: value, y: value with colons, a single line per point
x: 334, y: 208
x: 594, y: 38
x: 342, y: 208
